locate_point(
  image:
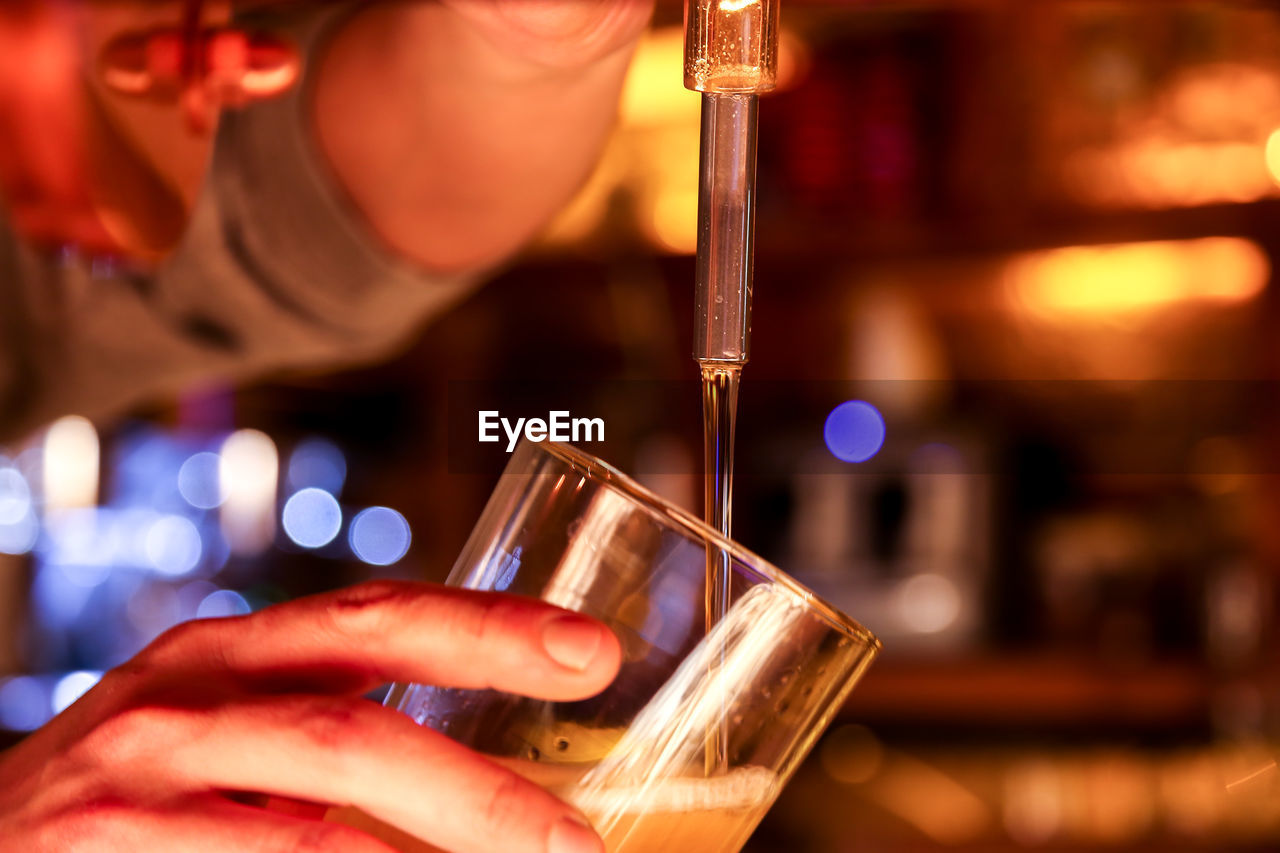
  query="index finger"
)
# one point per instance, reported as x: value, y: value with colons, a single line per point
x: 403, y: 631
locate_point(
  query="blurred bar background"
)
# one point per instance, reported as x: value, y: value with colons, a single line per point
x: 1035, y: 241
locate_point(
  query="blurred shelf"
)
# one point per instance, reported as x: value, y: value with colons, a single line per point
x: 792, y: 236
x: 995, y: 846
x: 1033, y: 692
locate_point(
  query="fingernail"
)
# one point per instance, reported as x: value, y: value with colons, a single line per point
x: 571, y: 641
x: 571, y: 835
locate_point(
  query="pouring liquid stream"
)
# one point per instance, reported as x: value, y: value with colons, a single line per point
x: 719, y: 414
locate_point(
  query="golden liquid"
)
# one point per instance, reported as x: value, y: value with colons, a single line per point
x: 719, y: 414
x: 675, y: 816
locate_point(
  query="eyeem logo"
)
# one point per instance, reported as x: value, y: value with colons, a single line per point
x: 558, y: 426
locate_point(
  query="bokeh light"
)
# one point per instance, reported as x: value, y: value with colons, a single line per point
x: 854, y: 431
x: 19, y: 537
x: 152, y: 609
x: 312, y: 518
x: 319, y: 464
x: 173, y: 545
x: 24, y: 704
x: 1271, y: 154
x: 84, y: 542
x: 191, y: 595
x: 1089, y: 282
x: 928, y: 603
x: 199, y: 482
x: 248, y: 472
x: 71, y: 687
x: 70, y: 475
x: 15, y: 496
x: 379, y: 535
x: 58, y: 600
x: 851, y: 754
x: 221, y: 604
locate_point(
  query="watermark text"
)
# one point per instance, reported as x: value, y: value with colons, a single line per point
x: 558, y: 426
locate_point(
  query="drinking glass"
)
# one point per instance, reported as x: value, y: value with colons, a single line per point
x: 690, y: 745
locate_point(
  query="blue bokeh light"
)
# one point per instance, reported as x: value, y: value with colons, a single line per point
x: 173, y: 545
x: 24, y: 704
x: 379, y: 536
x: 20, y: 535
x: 221, y: 604
x: 152, y: 609
x: 71, y: 687
x: 77, y: 537
x: 143, y: 468
x: 191, y: 595
x: 199, y: 481
x: 312, y: 518
x: 15, y: 496
x: 854, y: 431
x: 58, y: 601
x: 317, y: 464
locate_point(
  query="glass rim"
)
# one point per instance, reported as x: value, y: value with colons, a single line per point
x: 601, y: 471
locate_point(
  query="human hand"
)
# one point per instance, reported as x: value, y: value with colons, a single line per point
x: 172, y: 750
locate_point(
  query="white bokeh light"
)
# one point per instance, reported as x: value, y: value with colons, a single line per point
x: 70, y: 464
x: 71, y: 687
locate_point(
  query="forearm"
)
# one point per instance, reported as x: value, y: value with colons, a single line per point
x: 458, y: 138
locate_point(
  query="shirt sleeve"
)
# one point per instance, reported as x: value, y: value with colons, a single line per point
x: 276, y: 271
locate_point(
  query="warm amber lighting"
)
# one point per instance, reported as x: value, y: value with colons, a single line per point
x: 941, y: 806
x: 1136, y: 278
x: 1273, y: 155
x: 649, y: 170
x: 1203, y: 140
x: 1033, y: 801
x: 651, y: 164
x: 1221, y: 465
x: 1159, y: 173
x: 654, y: 92
x: 851, y: 754
x: 674, y: 225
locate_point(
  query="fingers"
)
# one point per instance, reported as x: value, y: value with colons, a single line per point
x: 252, y: 830
x: 208, y: 823
x: 399, y: 631
x: 348, y: 751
